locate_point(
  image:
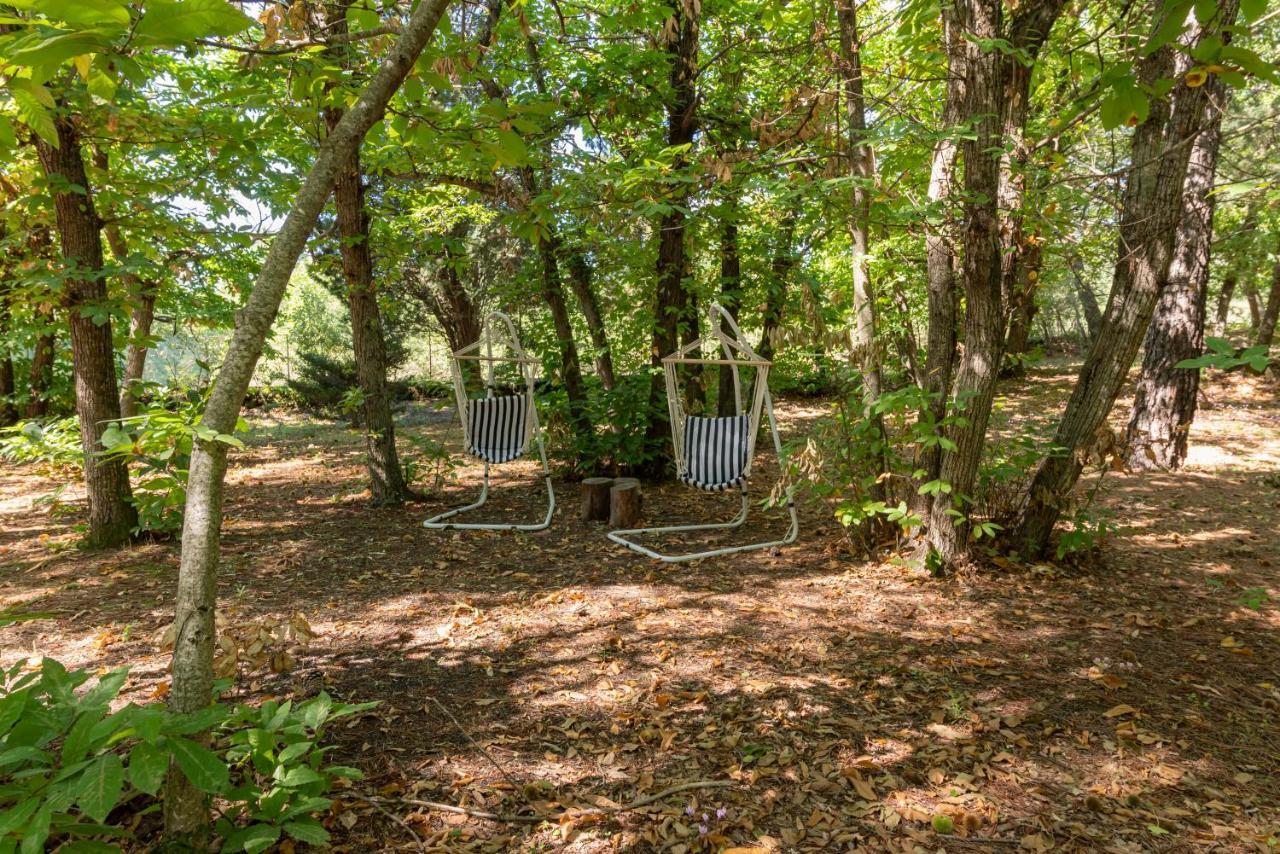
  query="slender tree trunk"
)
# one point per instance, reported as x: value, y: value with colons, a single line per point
x: 672, y: 314
x: 1255, y: 305
x: 940, y: 336
x: 1023, y: 310
x: 1088, y: 300
x: 730, y: 293
x: 1150, y: 211
x: 984, y: 329
x: 40, y: 376
x: 8, y: 409
x: 142, y: 298
x: 580, y: 281
x: 111, y: 515
x: 1165, y: 403
x: 1267, y: 322
x: 1223, y: 311
x: 780, y: 268
x: 186, y: 810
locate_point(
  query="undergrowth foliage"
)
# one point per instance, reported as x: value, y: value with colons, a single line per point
x: 75, y: 775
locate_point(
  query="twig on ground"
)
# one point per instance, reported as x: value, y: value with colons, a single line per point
x: 398, y: 820
x: 571, y: 812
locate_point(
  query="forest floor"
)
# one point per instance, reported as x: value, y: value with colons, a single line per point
x: 1127, y: 704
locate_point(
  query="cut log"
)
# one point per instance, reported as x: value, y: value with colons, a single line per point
x: 624, y: 503
x: 595, y: 498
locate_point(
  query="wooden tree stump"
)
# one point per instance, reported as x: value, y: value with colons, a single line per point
x: 624, y: 503
x: 595, y: 498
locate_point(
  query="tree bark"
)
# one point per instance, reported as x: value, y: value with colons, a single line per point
x: 111, y: 515
x: 142, y: 297
x: 8, y: 408
x: 186, y: 809
x: 940, y: 336
x: 730, y: 294
x: 1165, y: 403
x: 984, y: 330
x: 1023, y: 309
x: 1228, y: 290
x: 580, y: 281
x: 1267, y: 322
x: 40, y: 376
x: 672, y: 314
x: 1088, y: 300
x: 780, y: 268
x: 1255, y: 305
x: 1150, y: 210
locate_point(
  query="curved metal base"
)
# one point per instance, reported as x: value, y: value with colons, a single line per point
x: 437, y: 523
x: 620, y: 537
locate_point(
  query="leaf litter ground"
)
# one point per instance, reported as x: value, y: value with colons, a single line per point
x: 837, y: 704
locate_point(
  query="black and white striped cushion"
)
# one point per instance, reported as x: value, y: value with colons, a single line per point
x: 497, y: 427
x: 715, y: 452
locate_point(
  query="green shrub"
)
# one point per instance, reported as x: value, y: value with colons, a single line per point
x: 72, y: 770
x: 429, y: 462
x: 54, y: 443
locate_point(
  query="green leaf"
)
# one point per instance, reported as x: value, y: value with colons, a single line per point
x: 37, y: 831
x: 176, y: 22
x: 1252, y: 10
x: 309, y: 832
x: 86, y: 13
x: 148, y: 766
x: 254, y: 838
x: 30, y: 100
x: 100, y: 786
x: 300, y: 776
x: 12, y: 819
x: 200, y: 765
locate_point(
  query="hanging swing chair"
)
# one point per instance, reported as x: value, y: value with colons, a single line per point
x: 500, y: 426
x: 714, y: 453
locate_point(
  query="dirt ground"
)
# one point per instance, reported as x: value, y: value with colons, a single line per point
x: 1131, y: 704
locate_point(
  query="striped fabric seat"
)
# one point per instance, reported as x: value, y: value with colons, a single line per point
x: 498, y: 427
x: 715, y: 452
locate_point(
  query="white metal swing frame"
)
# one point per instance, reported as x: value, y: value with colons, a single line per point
x: 494, y: 335
x: 736, y: 354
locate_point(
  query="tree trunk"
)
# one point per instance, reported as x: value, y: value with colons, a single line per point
x: 553, y: 293
x: 1023, y: 310
x: 730, y: 294
x: 940, y: 343
x: 1028, y: 31
x: 186, y: 809
x: 1165, y: 404
x: 8, y: 409
x: 111, y: 515
x: 1088, y: 300
x: 1267, y: 322
x: 1150, y: 211
x: 580, y: 282
x: 780, y: 268
x: 142, y: 298
x: 1255, y: 305
x: 672, y: 305
x: 40, y: 376
x: 1223, y: 311
x: 984, y: 330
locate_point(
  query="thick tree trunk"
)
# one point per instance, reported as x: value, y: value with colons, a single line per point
x: 672, y: 315
x: 386, y: 478
x: 1267, y: 322
x: 1151, y: 207
x: 186, y: 810
x: 984, y: 330
x: 111, y: 515
x: 580, y: 281
x: 730, y: 294
x: 1228, y: 290
x: 1165, y: 404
